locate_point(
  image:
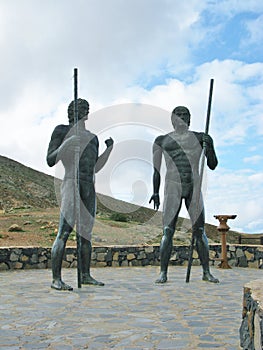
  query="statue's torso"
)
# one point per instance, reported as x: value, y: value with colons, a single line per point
x: 88, y: 155
x: 182, y: 154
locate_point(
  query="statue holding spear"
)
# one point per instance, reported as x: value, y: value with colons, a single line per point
x: 77, y: 148
x: 182, y: 150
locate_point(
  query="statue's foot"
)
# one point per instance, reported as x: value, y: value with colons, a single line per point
x: 60, y: 285
x: 207, y: 276
x: 92, y: 281
x: 162, y: 278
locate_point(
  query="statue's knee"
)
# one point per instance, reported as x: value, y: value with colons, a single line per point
x: 168, y: 232
x: 63, y: 236
x: 201, y: 238
x: 198, y: 232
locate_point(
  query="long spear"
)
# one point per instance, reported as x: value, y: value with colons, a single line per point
x: 77, y: 195
x: 199, y: 189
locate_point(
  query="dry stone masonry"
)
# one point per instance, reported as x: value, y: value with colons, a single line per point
x: 251, y: 330
x: 40, y: 258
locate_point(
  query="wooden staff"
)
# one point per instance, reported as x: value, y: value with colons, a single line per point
x: 199, y: 189
x: 77, y: 194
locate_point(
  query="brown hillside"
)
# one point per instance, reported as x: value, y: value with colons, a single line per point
x: 23, y: 186
x: 26, y: 196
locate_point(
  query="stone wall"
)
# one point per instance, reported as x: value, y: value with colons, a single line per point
x: 251, y: 330
x: 39, y: 258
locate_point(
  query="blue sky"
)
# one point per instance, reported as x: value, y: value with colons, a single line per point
x: 137, y: 60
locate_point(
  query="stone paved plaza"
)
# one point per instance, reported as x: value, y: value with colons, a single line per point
x: 129, y: 312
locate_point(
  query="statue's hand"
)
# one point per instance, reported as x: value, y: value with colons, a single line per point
x: 207, y: 141
x: 156, y: 200
x: 109, y: 142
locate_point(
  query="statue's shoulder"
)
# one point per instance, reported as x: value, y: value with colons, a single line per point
x: 91, y: 136
x: 198, y: 135
x: 61, y: 130
x: 160, y: 139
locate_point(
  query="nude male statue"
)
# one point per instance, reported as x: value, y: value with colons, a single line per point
x: 182, y: 150
x: 62, y: 148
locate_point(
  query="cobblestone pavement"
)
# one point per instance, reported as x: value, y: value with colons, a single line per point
x: 129, y: 312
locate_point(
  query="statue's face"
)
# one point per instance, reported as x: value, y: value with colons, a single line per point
x: 181, y: 119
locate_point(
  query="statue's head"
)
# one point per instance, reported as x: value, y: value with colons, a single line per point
x: 83, y: 109
x: 180, y: 114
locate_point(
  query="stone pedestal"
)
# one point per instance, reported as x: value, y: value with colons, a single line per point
x: 223, y: 228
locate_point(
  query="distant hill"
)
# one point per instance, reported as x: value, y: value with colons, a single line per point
x: 22, y: 186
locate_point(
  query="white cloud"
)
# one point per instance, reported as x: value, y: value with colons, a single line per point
x: 255, y: 29
x: 256, y: 179
x: 233, y: 7
x: 131, y: 52
x: 236, y: 192
x: 112, y: 42
x: 253, y: 159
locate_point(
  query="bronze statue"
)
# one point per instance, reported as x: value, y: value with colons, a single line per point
x: 62, y: 147
x: 182, y: 150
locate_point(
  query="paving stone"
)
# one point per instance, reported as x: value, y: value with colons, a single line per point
x: 129, y: 312
x: 210, y: 346
x: 169, y: 344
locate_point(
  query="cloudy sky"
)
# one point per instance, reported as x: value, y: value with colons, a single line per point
x: 137, y: 60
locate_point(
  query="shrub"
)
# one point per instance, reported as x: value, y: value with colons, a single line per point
x: 119, y: 217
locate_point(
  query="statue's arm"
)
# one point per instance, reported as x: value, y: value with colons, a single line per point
x: 210, y: 153
x: 54, y: 147
x: 59, y: 145
x: 157, y: 161
x: 102, y: 159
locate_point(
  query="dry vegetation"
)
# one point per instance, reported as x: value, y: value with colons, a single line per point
x: 39, y: 228
x: 28, y: 200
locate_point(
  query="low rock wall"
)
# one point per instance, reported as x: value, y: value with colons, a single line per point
x: 251, y: 330
x: 39, y: 258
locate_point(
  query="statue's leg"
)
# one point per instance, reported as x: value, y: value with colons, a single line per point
x: 57, y: 253
x: 66, y: 224
x: 202, y: 247
x: 203, y: 253
x: 166, y: 247
x: 86, y: 250
x: 87, y: 216
x: 171, y: 208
